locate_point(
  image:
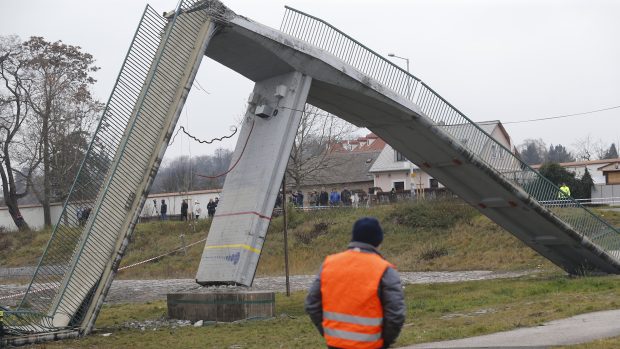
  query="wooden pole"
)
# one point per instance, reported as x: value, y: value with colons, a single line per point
x: 284, y: 204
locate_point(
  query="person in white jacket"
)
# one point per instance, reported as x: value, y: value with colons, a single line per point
x: 197, y: 210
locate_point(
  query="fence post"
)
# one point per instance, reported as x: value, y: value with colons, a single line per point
x: 183, y: 244
x: 286, y: 271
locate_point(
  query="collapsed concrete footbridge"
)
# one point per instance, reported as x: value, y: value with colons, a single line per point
x: 305, y: 61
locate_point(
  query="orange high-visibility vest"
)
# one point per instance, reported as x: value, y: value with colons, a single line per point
x: 352, y: 311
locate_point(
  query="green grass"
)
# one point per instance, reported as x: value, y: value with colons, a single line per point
x: 434, y: 312
x: 430, y: 236
x: 441, y: 235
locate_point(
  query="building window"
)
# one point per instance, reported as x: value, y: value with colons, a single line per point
x: 399, y: 186
x: 612, y: 177
x: 433, y: 184
x: 399, y: 156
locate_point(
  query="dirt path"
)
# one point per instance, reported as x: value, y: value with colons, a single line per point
x: 140, y: 291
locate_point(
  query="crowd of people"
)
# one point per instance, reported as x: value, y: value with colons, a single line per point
x: 186, y: 214
x: 322, y: 198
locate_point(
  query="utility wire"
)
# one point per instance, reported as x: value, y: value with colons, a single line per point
x: 561, y: 116
x: 236, y: 162
x: 507, y: 122
x: 200, y: 88
x: 181, y: 128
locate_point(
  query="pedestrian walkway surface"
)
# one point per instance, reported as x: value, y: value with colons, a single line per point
x: 578, y: 329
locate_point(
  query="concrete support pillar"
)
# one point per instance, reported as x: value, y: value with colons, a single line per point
x: 238, y: 230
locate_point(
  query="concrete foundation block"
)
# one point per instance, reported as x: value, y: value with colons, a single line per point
x: 221, y: 306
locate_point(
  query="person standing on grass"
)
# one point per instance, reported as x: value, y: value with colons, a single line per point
x: 564, y: 194
x: 356, y: 300
x: 345, y: 196
x: 334, y: 198
x: 163, y: 210
x: 184, y: 207
x: 211, y: 208
x: 323, y: 197
x: 197, y: 210
x: 564, y: 191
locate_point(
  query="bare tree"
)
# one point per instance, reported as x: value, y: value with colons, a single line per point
x: 59, y: 96
x: 317, y: 132
x: 587, y: 149
x: 16, y: 153
x: 203, y: 172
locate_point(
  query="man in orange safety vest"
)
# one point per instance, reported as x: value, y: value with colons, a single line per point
x: 357, y: 299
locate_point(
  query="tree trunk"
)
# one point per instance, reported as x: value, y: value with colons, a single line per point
x: 47, y: 188
x: 10, y: 197
x: 17, y: 217
x: 9, y: 191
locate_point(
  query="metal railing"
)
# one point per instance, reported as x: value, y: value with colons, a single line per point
x: 73, y: 223
x: 111, y: 182
x: 488, y: 150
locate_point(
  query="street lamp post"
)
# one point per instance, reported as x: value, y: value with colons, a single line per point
x: 408, y: 78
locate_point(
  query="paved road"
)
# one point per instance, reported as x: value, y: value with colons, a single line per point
x: 578, y: 329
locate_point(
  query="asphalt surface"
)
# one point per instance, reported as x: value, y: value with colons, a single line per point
x: 578, y: 329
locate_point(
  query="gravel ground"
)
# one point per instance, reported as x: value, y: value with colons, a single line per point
x: 140, y: 291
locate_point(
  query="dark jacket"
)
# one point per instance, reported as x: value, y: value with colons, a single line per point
x: 390, y: 294
x: 345, y: 196
x: 211, y: 207
x: 324, y: 198
x: 184, y: 207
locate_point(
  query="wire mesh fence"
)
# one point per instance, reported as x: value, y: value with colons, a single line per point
x: 76, y: 217
x: 113, y: 180
x: 449, y: 119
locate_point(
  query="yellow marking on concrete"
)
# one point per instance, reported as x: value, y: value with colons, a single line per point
x: 243, y: 246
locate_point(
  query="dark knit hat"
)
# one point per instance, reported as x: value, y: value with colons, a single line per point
x: 367, y: 230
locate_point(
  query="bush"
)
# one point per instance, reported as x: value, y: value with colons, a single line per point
x: 306, y: 237
x: 5, y: 241
x: 432, y: 214
x: 431, y: 252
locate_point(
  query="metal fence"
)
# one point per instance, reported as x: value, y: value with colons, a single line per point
x: 328, y: 38
x: 64, y: 243
x: 111, y: 182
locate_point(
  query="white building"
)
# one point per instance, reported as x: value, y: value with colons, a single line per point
x: 605, y: 175
x: 595, y: 168
x: 33, y: 214
x: 393, y: 170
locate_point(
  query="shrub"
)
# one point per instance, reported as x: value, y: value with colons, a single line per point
x: 431, y: 252
x: 432, y: 214
x: 306, y: 237
x: 5, y: 242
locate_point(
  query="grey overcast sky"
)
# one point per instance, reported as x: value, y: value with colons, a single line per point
x: 509, y: 60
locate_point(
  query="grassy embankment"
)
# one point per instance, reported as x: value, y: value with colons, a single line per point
x: 428, y: 236
x: 419, y: 237
x: 434, y: 312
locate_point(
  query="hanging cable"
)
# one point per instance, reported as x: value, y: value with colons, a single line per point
x: 200, y: 88
x: 233, y: 129
x: 236, y: 162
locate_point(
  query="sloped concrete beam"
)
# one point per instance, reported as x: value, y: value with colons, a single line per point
x: 240, y: 224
